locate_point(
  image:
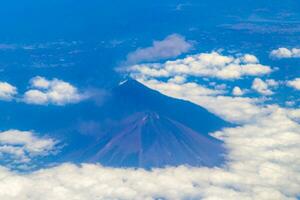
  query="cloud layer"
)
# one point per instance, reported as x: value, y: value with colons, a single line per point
x: 263, y: 160
x: 213, y: 65
x: 21, y: 146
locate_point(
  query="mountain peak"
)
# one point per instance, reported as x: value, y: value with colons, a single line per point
x: 128, y: 81
x: 141, y: 127
x: 132, y: 96
x: 132, y: 84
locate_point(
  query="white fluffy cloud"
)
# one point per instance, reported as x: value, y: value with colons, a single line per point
x: 21, y: 146
x: 171, y: 46
x: 237, y: 91
x: 203, y: 65
x: 176, y: 89
x: 263, y: 87
x: 58, y: 92
x: 7, y: 91
x: 285, y: 53
x: 294, y: 83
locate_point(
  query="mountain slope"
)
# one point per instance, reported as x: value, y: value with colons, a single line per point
x: 148, y: 139
x: 141, y: 127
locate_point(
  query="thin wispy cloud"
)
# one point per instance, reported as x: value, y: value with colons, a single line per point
x: 170, y: 47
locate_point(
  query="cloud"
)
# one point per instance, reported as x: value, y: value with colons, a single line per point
x: 285, y: 53
x: 172, y: 46
x: 212, y: 65
x: 7, y: 91
x: 40, y: 82
x: 43, y: 91
x: 248, y: 58
x: 21, y: 146
x: 58, y: 92
x: 294, y: 83
x: 263, y: 159
x: 177, y: 88
x: 237, y: 91
x: 262, y: 87
x: 268, y: 148
x: 177, y: 79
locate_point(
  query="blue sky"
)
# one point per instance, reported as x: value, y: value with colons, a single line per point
x: 238, y: 59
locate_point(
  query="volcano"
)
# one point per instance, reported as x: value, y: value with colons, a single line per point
x: 140, y: 127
